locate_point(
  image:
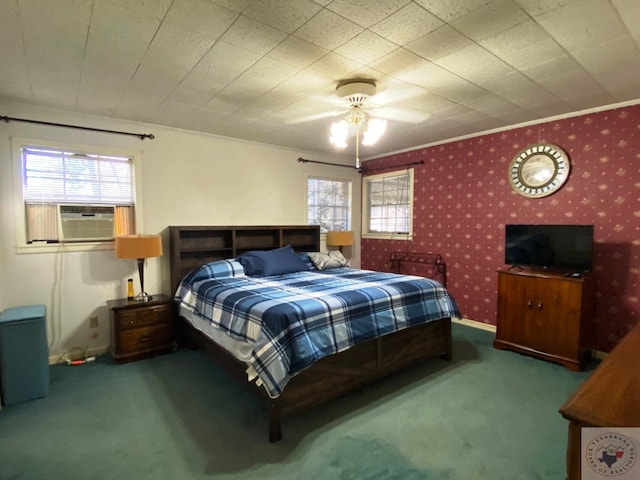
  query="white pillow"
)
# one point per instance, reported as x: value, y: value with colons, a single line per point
x: 324, y: 261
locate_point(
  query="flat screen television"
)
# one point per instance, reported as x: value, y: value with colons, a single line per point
x: 561, y: 247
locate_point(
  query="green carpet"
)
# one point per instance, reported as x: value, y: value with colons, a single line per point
x: 488, y: 414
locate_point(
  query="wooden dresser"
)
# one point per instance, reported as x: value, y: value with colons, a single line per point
x: 610, y: 397
x: 545, y: 315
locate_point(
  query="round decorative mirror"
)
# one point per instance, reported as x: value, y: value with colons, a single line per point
x: 539, y: 170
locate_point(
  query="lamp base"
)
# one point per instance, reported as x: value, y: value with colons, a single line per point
x: 142, y: 297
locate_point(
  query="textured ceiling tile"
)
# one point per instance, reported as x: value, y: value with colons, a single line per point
x: 334, y: 66
x: 449, y: 10
x: 224, y: 62
x: 195, y: 91
x: 161, y: 61
x: 482, y: 71
x: 220, y: 66
x: 439, y: 43
x: 597, y: 59
x: 584, y: 23
x: 432, y: 103
x: 238, y: 6
x: 297, y: 52
x: 268, y: 72
x: 515, y: 86
x: 272, y: 101
x: 366, y: 12
x: 175, y: 51
x: 629, y: 11
x: 621, y: 81
x: 14, y: 81
x: 254, y: 36
x: 304, y: 81
x: 201, y: 16
x: 204, y: 120
x: 154, y: 8
x: 54, y: 46
x: 118, y: 38
x: 366, y: 47
x: 328, y: 30
x: 102, y: 87
x: 538, y: 7
x: 584, y: 100
x: 221, y: 106
x: 173, y: 113
x: 524, y: 45
x: 398, y: 61
x: 571, y: 83
x: 406, y: 25
x: 490, y: 19
x: 286, y: 16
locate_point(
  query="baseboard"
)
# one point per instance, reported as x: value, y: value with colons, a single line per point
x: 475, y: 324
x: 77, y: 355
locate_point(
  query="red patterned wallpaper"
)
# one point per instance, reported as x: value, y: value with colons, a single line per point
x: 462, y: 201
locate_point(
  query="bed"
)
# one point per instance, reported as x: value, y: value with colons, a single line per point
x: 293, y: 337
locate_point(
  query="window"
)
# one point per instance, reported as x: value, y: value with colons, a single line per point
x: 73, y: 195
x: 388, y: 203
x: 329, y: 204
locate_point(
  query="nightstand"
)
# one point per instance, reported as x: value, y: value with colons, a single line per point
x: 141, y: 329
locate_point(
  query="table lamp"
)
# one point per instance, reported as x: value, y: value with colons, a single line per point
x: 139, y: 247
x: 340, y: 238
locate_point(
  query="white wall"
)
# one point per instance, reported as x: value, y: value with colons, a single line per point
x: 187, y: 179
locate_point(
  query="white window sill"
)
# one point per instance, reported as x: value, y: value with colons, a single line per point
x: 64, y: 247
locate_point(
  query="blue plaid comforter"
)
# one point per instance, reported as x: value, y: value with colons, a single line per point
x: 295, y: 319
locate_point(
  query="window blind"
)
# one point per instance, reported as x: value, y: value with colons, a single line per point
x: 55, y: 176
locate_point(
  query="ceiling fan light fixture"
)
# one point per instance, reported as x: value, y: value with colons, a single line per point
x: 375, y: 129
x: 339, y: 133
x: 357, y: 121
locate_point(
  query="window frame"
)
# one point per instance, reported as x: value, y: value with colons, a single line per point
x: 349, y: 200
x: 20, y: 212
x: 366, y: 205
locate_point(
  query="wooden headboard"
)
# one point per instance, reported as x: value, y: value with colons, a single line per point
x: 193, y: 246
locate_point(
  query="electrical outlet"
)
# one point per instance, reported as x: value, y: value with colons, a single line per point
x: 94, y: 322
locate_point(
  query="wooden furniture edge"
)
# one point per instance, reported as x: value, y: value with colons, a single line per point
x: 594, y: 395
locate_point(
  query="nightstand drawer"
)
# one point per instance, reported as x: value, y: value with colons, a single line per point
x: 145, y: 338
x: 143, y: 317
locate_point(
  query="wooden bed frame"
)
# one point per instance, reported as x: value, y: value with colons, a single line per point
x: 335, y: 375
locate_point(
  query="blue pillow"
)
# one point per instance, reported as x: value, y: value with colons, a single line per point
x: 282, y: 260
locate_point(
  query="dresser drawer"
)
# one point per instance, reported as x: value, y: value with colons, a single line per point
x: 142, y: 317
x: 145, y: 338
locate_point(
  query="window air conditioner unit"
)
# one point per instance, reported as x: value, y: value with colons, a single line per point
x: 86, y: 223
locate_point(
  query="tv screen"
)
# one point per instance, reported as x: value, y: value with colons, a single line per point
x: 567, y: 247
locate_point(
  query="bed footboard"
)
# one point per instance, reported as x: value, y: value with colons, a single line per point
x: 343, y: 372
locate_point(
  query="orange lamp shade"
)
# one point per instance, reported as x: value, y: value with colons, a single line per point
x: 138, y: 246
x: 340, y: 238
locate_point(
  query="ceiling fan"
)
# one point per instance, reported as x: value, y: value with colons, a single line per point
x: 363, y: 114
x: 362, y: 94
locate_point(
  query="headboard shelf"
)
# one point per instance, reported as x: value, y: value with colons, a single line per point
x: 193, y: 246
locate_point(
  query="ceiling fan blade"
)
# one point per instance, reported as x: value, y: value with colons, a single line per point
x: 400, y: 114
x: 397, y: 95
x: 315, y: 116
